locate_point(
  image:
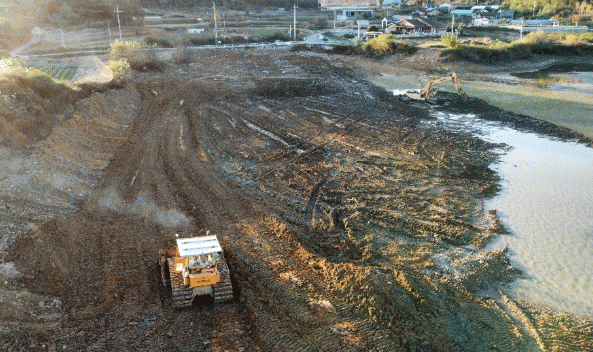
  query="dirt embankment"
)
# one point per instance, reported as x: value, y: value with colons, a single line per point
x: 345, y: 218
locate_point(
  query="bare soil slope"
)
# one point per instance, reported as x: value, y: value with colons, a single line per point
x: 344, y: 217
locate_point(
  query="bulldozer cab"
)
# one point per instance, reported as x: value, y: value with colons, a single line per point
x: 196, y: 260
x: 199, y: 262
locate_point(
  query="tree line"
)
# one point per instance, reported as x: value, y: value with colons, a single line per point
x: 71, y: 11
x: 102, y: 10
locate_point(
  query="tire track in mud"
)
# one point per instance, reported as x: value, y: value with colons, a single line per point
x: 121, y: 237
x: 313, y: 197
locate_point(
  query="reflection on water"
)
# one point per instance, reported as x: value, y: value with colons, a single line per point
x: 555, y: 69
x: 562, y: 76
x: 547, y: 205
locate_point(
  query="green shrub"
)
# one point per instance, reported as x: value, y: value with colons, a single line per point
x: 138, y: 57
x: 277, y: 35
x: 449, y: 41
x: 123, y: 50
x: 161, y: 43
x: 495, y: 52
x: 379, y: 45
x: 120, y: 68
x: 533, y: 43
x: 385, y: 44
x: 202, y: 39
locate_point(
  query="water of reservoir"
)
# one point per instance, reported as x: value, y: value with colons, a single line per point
x: 564, y: 77
x: 546, y: 203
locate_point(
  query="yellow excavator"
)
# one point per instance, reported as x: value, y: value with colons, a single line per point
x: 426, y: 91
x: 194, y: 267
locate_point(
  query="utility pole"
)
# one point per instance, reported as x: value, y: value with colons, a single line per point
x: 109, y: 30
x: 334, y: 19
x: 453, y: 25
x: 63, y: 45
x: 294, y: 16
x: 215, y: 24
x: 533, y: 15
x: 118, y: 23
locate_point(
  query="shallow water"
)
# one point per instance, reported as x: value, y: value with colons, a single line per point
x: 580, y: 82
x: 558, y: 68
x: 547, y: 206
x: 567, y: 77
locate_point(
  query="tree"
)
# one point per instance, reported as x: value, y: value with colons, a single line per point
x: 576, y: 19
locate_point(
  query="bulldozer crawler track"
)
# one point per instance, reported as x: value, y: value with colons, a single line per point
x: 181, y: 296
x: 223, y: 290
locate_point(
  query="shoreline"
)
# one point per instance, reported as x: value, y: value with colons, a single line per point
x: 491, y: 83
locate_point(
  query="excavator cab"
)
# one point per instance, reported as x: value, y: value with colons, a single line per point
x: 197, y: 268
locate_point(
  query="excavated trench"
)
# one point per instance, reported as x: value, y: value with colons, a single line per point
x: 345, y: 220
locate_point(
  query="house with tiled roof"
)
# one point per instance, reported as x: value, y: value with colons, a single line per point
x: 414, y: 25
x: 488, y: 15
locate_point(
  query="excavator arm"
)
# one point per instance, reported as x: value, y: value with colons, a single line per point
x: 425, y: 92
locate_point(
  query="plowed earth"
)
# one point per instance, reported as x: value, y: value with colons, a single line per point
x: 345, y: 219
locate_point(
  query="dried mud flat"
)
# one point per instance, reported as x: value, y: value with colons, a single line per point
x: 346, y: 219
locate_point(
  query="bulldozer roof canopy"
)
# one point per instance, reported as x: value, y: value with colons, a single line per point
x: 198, y: 245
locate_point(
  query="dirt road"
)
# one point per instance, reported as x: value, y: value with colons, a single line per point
x: 35, y: 39
x: 346, y: 219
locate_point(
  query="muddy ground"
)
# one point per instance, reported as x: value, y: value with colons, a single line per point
x: 349, y: 223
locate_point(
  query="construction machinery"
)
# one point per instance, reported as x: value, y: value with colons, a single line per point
x: 426, y: 91
x: 194, y: 267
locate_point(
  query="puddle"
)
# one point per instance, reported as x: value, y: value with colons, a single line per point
x: 547, y: 205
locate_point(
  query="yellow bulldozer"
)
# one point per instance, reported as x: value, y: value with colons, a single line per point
x: 194, y: 267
